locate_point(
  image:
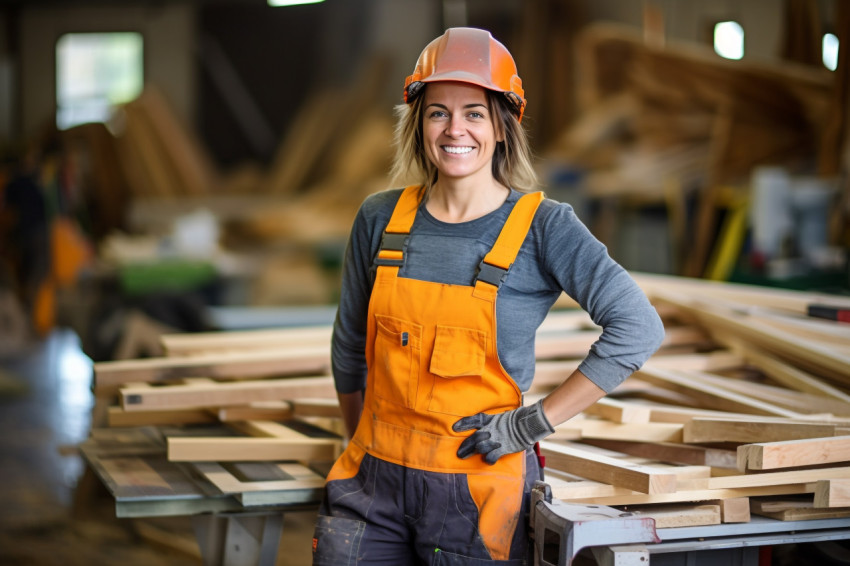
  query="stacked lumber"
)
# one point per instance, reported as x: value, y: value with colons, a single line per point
x: 336, y: 152
x: 664, y: 123
x: 650, y: 111
x: 759, y: 422
x: 745, y: 407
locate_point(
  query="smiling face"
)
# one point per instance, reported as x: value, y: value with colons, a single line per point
x: 458, y: 131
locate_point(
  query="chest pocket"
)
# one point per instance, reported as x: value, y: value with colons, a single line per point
x: 397, y: 353
x: 458, y: 362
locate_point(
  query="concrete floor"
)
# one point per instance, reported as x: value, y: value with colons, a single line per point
x: 50, y: 513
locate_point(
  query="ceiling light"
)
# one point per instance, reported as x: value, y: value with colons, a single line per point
x: 277, y: 3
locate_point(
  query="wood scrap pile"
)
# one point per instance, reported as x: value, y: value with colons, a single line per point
x: 653, y: 113
x: 746, y: 406
x: 336, y: 152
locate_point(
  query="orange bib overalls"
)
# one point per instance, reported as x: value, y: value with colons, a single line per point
x: 432, y: 359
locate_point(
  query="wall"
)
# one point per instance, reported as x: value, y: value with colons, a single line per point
x: 169, y: 37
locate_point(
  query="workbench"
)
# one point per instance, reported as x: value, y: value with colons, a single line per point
x: 617, y: 538
x: 231, y: 530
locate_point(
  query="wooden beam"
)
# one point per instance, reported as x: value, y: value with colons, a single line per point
x: 609, y: 470
x: 791, y: 376
x: 672, y: 516
x: 597, y: 428
x: 209, y: 342
x: 655, y: 285
x: 118, y: 417
x: 734, y: 510
x: 766, y: 479
x: 619, y: 411
x: 235, y: 365
x: 832, y: 493
x: 682, y: 495
x: 804, y: 403
x: 714, y: 397
x: 226, y: 449
x: 225, y: 394
x: 670, y: 452
x: 809, y: 355
x: 701, y: 430
x: 793, y: 453
x: 795, y: 510
x: 257, y: 411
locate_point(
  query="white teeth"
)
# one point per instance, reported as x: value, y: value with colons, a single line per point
x: 452, y: 149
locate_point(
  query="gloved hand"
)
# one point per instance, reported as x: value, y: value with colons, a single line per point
x: 505, y: 433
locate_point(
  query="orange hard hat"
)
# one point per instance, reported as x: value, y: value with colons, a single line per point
x: 467, y: 55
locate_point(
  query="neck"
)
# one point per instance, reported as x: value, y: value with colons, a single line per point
x: 462, y: 202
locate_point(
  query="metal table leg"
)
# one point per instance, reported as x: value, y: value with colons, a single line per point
x: 239, y: 539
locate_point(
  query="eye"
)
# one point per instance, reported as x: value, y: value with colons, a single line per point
x: 436, y: 114
x: 476, y: 115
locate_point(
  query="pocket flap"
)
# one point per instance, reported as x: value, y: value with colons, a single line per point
x: 458, y: 352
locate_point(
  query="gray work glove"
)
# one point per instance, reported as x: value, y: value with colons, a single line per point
x: 505, y: 433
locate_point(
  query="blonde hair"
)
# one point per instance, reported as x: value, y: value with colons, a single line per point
x: 512, y: 161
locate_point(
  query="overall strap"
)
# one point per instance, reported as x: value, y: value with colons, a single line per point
x: 394, y: 239
x: 494, y: 267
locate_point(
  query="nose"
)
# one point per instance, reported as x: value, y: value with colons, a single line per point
x: 454, y: 127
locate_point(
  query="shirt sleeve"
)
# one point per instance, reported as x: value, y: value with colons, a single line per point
x: 631, y: 328
x: 348, y: 343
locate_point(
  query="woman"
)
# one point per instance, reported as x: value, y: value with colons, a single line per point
x: 444, y: 285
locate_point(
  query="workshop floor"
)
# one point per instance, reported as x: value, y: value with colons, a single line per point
x: 50, y: 513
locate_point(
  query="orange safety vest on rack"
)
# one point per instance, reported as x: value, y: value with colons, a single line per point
x: 432, y: 359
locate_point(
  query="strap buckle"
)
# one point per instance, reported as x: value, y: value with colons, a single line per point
x: 492, y: 274
x: 394, y: 243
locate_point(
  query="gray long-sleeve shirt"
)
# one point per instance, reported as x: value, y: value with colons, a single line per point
x: 559, y: 254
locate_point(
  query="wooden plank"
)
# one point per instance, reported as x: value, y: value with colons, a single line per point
x: 316, y: 408
x: 682, y: 495
x: 809, y: 355
x: 832, y: 493
x: 714, y: 397
x: 754, y: 295
x: 767, y: 479
x: 257, y: 411
x: 791, y: 376
x: 118, y: 417
x: 619, y: 411
x: 185, y: 449
x: 203, y: 342
x: 713, y: 361
x: 597, y: 428
x: 735, y: 510
x: 797, y: 401
x: 225, y: 394
x: 701, y: 430
x: 265, y: 483
x: 793, y: 453
x: 609, y: 470
x: 672, y: 516
x: 670, y: 452
x: 261, y: 363
x: 796, y: 511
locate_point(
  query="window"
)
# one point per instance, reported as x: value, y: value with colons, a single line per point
x: 830, y: 51
x: 95, y: 71
x: 729, y: 40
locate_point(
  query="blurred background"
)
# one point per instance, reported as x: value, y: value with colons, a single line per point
x: 189, y: 165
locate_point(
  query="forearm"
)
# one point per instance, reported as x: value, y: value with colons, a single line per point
x: 351, y: 405
x: 570, y: 398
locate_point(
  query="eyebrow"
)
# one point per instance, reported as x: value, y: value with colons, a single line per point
x: 473, y: 105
